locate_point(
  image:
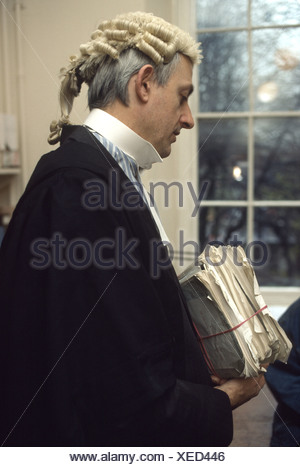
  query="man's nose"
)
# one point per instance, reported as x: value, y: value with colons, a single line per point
x: 187, y: 120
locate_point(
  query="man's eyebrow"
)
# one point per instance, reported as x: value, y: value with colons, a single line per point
x: 189, y: 88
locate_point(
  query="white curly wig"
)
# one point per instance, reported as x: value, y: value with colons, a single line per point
x: 151, y: 35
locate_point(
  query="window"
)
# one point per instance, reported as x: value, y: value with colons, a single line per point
x: 249, y: 132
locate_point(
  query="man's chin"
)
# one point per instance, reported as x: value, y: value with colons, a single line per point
x: 164, y: 154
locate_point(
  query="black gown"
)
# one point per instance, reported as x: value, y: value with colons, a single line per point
x: 96, y: 344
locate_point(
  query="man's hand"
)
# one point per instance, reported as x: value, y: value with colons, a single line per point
x: 240, y: 390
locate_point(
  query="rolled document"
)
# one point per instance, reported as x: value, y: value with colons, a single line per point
x: 235, y: 329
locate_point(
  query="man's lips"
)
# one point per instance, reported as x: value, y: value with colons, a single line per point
x: 175, y: 133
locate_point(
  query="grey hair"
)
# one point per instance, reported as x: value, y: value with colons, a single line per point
x: 112, y: 77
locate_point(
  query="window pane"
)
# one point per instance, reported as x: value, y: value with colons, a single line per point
x: 276, y: 70
x: 267, y: 12
x: 224, y: 13
x: 223, y: 224
x: 279, y: 229
x: 223, y: 158
x: 277, y: 158
x: 223, y: 73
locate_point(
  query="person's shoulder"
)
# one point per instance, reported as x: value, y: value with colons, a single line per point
x: 80, y: 148
x: 291, y: 317
x: 79, y: 153
x: 290, y: 322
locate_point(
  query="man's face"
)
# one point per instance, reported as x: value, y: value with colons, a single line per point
x: 169, y: 111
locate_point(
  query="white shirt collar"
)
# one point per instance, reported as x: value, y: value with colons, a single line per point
x: 122, y: 136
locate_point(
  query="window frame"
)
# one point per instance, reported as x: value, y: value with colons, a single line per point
x: 185, y: 17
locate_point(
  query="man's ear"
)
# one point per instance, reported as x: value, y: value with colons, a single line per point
x: 144, y: 82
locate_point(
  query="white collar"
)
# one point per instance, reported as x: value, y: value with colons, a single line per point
x: 122, y: 136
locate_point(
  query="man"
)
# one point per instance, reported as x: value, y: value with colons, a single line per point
x: 97, y: 344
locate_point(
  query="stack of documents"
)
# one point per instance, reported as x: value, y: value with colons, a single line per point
x: 236, y: 331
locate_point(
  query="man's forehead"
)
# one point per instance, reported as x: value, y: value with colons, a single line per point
x: 184, y: 73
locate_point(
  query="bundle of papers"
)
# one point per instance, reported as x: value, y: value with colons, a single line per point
x: 236, y: 331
